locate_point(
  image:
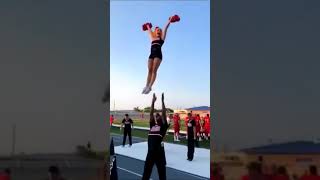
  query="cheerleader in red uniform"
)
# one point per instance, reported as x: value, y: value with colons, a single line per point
x: 176, y: 127
x: 111, y: 120
x: 202, y: 129
x: 197, y: 118
x: 207, y: 126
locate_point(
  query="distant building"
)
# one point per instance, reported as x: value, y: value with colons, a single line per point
x: 296, y: 156
x: 201, y: 110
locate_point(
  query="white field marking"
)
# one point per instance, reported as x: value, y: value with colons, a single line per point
x: 131, y: 172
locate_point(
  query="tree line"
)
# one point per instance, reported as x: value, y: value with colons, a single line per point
x: 148, y: 109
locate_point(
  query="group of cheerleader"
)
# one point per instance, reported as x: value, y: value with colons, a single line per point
x: 202, y: 125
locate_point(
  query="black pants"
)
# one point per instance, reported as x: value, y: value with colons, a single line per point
x: 190, y: 148
x: 158, y: 158
x: 125, y: 133
x: 164, y: 156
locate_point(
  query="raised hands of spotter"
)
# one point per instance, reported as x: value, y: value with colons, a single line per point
x: 154, y: 98
x: 162, y: 97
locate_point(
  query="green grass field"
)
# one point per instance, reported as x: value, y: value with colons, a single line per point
x: 168, y: 138
x: 145, y: 123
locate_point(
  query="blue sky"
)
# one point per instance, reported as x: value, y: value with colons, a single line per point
x: 184, y: 74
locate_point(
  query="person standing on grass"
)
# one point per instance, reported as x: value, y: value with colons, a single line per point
x: 186, y: 123
x: 191, y: 129
x: 169, y: 121
x: 127, y: 123
x: 111, y: 120
x: 186, y: 119
x: 176, y: 127
x: 207, y: 126
x: 198, y: 127
x: 202, y: 129
x: 156, y: 154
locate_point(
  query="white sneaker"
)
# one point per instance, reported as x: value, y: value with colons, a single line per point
x: 144, y: 90
x: 148, y: 90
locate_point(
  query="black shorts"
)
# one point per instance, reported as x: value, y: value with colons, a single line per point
x: 155, y: 52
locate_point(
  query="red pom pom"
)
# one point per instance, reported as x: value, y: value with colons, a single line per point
x: 144, y: 27
x: 175, y: 18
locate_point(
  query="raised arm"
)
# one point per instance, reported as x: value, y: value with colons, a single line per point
x: 164, y: 112
x: 165, y: 29
x: 150, y: 32
x: 152, y: 108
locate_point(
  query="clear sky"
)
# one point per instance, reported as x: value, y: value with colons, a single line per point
x: 184, y: 74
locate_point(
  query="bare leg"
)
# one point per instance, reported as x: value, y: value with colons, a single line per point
x: 150, y: 66
x: 156, y: 64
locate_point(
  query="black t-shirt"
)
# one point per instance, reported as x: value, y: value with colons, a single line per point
x: 158, y: 129
x: 156, y: 135
x: 127, y: 123
x: 191, y: 124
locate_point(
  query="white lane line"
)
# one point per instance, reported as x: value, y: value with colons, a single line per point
x: 131, y: 172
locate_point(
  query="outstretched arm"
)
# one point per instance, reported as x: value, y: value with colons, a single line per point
x: 164, y: 112
x: 165, y: 29
x: 150, y: 32
x: 152, y: 108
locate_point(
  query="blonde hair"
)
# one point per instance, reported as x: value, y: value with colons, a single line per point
x: 154, y: 34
